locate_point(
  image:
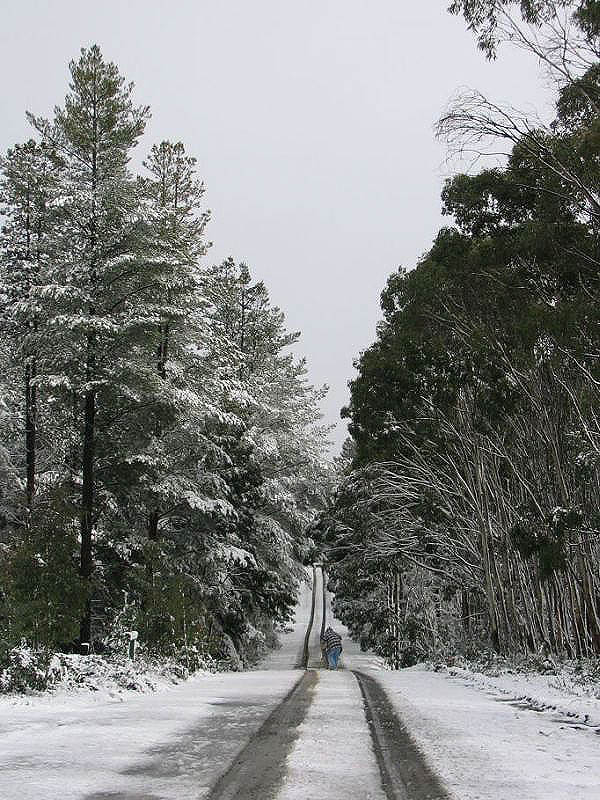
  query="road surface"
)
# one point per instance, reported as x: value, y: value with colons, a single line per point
x: 292, y: 730
x: 335, y: 736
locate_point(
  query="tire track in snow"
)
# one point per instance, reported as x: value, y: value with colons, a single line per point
x: 259, y: 768
x: 405, y: 775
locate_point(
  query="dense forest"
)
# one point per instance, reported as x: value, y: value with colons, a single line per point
x: 468, y: 518
x: 164, y: 467
x: 161, y: 449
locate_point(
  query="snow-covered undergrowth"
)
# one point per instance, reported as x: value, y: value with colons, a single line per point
x: 26, y: 670
x: 569, y: 688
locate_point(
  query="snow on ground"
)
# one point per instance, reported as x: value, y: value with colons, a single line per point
x: 487, y: 749
x: 333, y: 756
x: 478, y: 732
x: 483, y: 746
x: 170, y: 744
x: 562, y: 693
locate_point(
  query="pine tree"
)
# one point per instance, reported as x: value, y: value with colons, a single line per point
x: 93, y: 135
x: 27, y: 184
x: 281, y: 473
x: 177, y: 225
x: 158, y: 436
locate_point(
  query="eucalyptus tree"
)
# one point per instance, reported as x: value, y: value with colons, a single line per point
x: 564, y: 35
x: 472, y: 407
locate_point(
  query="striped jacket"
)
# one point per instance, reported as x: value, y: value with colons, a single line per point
x: 331, y: 639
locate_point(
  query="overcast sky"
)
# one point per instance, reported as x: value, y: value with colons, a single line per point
x: 312, y: 123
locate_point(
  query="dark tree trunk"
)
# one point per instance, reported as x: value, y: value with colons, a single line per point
x: 30, y: 436
x: 87, y: 508
x: 153, y: 518
x: 89, y: 409
x: 29, y: 388
x: 466, y: 611
x: 154, y: 514
x: 398, y: 592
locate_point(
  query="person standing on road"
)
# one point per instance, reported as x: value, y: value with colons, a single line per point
x: 333, y: 647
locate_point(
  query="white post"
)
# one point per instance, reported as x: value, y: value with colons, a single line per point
x: 133, y: 635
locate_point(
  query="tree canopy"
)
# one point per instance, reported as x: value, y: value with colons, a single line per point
x: 163, y: 454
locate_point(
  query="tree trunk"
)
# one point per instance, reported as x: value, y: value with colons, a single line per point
x: 89, y: 408
x: 397, y: 606
x: 87, y: 509
x: 154, y: 513
x: 30, y: 436
x: 29, y: 388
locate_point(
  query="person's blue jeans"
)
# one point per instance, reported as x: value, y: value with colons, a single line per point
x: 333, y: 657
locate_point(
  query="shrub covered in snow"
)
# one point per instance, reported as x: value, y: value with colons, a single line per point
x: 24, y: 669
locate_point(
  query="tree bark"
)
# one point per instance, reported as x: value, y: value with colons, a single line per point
x: 87, y: 510
x: 30, y: 435
x: 89, y: 409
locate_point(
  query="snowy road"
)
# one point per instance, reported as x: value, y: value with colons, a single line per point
x: 318, y: 745
x: 279, y: 733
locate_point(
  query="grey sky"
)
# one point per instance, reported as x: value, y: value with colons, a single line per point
x: 312, y: 125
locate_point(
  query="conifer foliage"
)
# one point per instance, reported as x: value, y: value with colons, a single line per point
x: 161, y: 451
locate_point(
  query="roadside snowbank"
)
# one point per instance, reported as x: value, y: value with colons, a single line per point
x: 566, y: 693
x: 486, y: 746
x: 26, y: 671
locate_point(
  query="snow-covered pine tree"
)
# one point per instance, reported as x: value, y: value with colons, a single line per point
x: 177, y: 224
x: 38, y: 569
x: 180, y: 493
x: 27, y: 187
x: 93, y: 135
x: 183, y: 438
x: 279, y: 468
